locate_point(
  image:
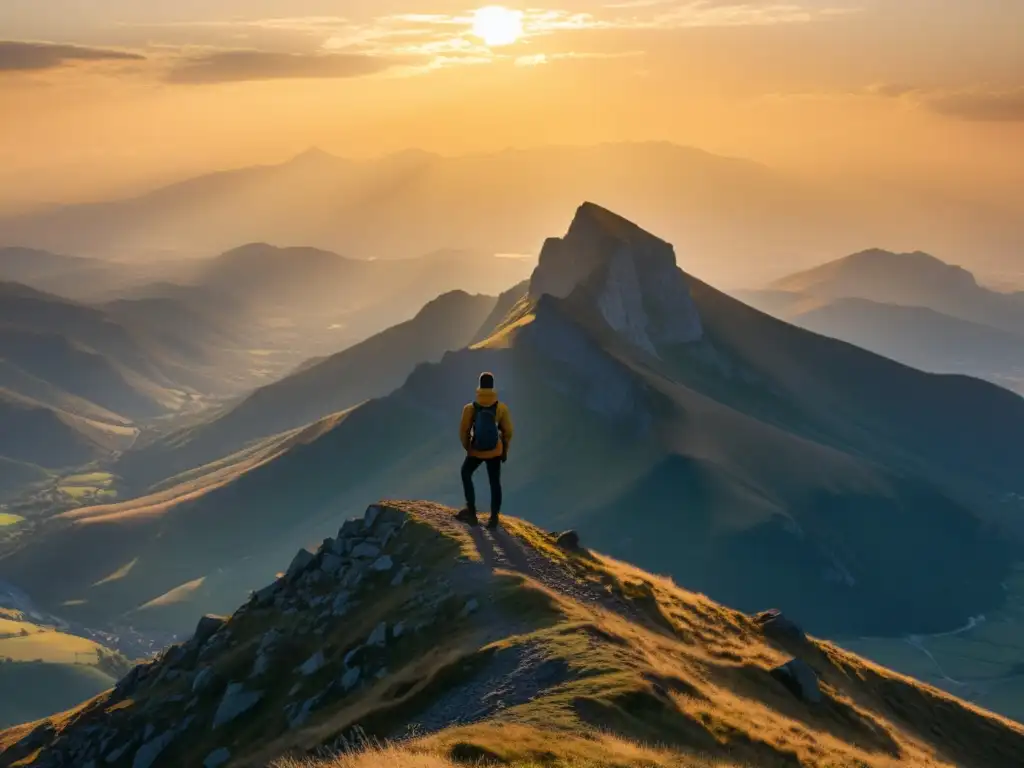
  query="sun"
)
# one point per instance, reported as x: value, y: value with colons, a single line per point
x: 496, y: 25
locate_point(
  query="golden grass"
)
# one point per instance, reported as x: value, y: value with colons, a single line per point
x: 9, y: 519
x: 48, y: 646
x: 651, y: 676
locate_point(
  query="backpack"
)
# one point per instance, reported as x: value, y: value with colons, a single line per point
x: 485, y: 427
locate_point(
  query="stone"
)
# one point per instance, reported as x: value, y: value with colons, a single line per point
x: 398, y: 630
x: 264, y: 597
x: 353, y: 577
x: 313, y: 664
x: 472, y: 606
x: 217, y: 758
x: 400, y: 577
x: 207, y: 627
x: 150, y: 751
x: 382, y: 564
x: 150, y: 730
x: 235, y: 703
x: 350, y: 529
x: 379, y: 636
x: 570, y: 541
x: 330, y: 563
x: 351, y: 655
x: 269, y: 640
x: 372, y: 513
x: 366, y: 551
x: 326, y: 546
x: 775, y: 625
x: 299, y: 564
x: 351, y: 679
x: 261, y: 665
x: 798, y: 676
x: 385, y: 533
x: 118, y: 753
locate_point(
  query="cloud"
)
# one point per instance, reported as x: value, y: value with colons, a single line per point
x: 34, y: 57
x: 242, y: 66
x: 981, y: 106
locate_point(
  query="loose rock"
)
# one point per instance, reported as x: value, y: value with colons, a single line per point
x: 217, y: 758
x: 798, y: 676
x: 236, y: 702
x: 382, y: 564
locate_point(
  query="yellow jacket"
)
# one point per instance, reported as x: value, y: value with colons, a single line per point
x: 486, y: 398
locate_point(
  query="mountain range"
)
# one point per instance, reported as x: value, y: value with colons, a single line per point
x: 911, y: 307
x: 734, y: 221
x: 409, y: 640
x: 749, y: 459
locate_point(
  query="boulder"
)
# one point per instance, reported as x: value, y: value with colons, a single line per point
x: 472, y: 606
x: 351, y: 679
x: 150, y: 751
x: 313, y: 664
x: 330, y: 563
x: 207, y: 627
x: 400, y: 577
x: 366, y: 551
x: 569, y: 540
x: 235, y: 703
x: 382, y: 564
x: 350, y: 529
x: 372, y: 513
x: 379, y: 636
x: 264, y: 597
x: 217, y: 758
x: 777, y: 626
x: 798, y: 676
x: 299, y: 564
x: 326, y: 546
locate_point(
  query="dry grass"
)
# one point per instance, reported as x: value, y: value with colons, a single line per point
x: 649, y: 676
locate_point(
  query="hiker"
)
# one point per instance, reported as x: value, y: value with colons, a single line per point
x: 486, y: 431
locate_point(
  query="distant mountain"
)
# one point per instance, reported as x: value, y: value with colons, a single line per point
x: 370, y: 369
x: 513, y: 647
x: 79, y: 278
x: 755, y: 461
x: 910, y: 307
x: 909, y: 279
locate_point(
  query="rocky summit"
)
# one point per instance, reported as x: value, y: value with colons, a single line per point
x: 630, y: 275
x: 503, y: 647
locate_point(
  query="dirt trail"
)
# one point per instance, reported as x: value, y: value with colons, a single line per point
x: 504, y: 550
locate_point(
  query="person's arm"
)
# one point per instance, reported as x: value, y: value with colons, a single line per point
x: 465, y: 425
x: 505, y: 425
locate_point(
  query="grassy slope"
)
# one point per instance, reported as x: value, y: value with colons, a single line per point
x: 592, y: 657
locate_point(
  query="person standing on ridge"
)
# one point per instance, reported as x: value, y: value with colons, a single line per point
x: 486, y: 431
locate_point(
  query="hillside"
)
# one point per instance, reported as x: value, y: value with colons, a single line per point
x: 909, y: 279
x: 372, y: 368
x: 50, y: 669
x: 754, y: 461
x: 34, y: 434
x: 547, y: 654
x: 922, y: 338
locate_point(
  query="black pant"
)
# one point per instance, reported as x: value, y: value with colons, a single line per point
x: 471, y: 465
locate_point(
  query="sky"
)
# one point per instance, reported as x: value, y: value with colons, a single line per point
x: 106, y: 97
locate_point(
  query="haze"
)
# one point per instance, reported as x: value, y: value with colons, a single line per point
x: 115, y: 97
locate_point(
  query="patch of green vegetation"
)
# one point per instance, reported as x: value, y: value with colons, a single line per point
x: 88, y: 487
x: 98, y: 479
x: 9, y: 519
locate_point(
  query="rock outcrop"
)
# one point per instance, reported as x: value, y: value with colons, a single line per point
x: 629, y: 275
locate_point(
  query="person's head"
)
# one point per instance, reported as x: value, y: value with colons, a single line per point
x: 486, y: 380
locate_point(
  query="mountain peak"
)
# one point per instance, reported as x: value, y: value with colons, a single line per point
x: 628, y: 274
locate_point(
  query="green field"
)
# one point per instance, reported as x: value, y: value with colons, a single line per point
x: 88, y: 488
x: 8, y: 519
x: 984, y: 664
